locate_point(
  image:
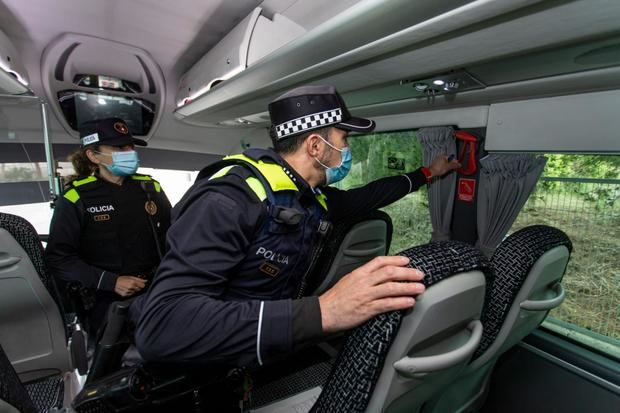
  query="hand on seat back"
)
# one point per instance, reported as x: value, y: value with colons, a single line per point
x: 441, y: 166
x: 128, y: 285
x: 372, y: 289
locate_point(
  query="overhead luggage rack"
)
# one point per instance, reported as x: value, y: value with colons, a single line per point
x: 366, y: 50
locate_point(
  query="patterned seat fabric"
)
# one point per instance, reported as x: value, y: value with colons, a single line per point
x: 359, y: 363
x: 47, y: 393
x: 11, y: 389
x: 337, y: 235
x: 511, y: 264
x: 26, y: 236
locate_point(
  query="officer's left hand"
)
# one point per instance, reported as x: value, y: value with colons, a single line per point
x: 441, y: 166
x: 374, y: 288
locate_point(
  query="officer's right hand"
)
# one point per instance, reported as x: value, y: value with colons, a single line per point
x: 372, y: 289
x: 128, y: 285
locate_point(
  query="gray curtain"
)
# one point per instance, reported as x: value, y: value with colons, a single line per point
x: 505, y: 183
x: 436, y: 141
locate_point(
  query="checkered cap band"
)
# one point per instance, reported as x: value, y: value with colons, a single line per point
x: 310, y: 122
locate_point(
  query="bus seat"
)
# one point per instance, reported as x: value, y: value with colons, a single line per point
x: 352, y: 243
x: 38, y: 396
x: 397, y: 360
x: 13, y: 395
x: 32, y: 327
x: 528, y: 268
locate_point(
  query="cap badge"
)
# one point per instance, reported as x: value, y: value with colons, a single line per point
x: 121, y: 128
x: 92, y: 138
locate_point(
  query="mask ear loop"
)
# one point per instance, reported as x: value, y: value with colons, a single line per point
x: 101, y: 153
x: 333, y: 147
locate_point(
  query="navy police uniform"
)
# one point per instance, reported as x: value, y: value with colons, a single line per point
x: 241, y: 242
x: 100, y: 230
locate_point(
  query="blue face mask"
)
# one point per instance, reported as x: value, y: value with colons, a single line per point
x: 338, y: 173
x: 124, y: 163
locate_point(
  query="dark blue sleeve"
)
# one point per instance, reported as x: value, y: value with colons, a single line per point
x: 375, y: 195
x: 183, y: 317
x: 62, y: 252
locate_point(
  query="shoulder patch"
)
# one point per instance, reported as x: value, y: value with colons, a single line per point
x: 140, y: 177
x: 72, y: 195
x: 84, y: 181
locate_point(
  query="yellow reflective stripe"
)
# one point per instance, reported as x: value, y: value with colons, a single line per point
x: 322, y: 200
x: 81, y: 182
x: 141, y: 177
x: 72, y: 195
x: 156, y: 184
x: 273, y: 173
x: 221, y: 172
x: 256, y: 186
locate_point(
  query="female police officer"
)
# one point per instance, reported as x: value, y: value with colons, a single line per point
x: 108, y: 229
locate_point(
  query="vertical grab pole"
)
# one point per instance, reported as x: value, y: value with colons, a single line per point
x: 49, y: 156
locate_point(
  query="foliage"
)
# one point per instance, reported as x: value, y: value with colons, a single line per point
x: 382, y: 154
x: 16, y: 173
x: 581, y: 166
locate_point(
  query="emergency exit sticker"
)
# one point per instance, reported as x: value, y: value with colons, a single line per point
x: 467, y: 189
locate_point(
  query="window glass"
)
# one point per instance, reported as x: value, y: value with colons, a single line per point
x: 387, y: 154
x: 580, y: 194
x: 24, y: 190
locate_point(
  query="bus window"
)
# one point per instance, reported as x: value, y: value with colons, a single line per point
x: 387, y: 154
x: 24, y: 191
x: 580, y: 194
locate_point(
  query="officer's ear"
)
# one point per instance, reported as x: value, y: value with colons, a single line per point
x: 90, y: 154
x: 314, y: 144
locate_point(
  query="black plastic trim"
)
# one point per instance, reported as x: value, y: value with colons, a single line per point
x: 597, y: 364
x: 59, y: 71
x: 149, y: 77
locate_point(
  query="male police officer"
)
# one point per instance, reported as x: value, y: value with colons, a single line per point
x: 242, y: 237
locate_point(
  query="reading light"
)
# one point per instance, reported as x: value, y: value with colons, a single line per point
x: 438, y: 82
x: 420, y: 87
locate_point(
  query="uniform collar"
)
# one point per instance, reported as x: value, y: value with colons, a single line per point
x: 271, y: 156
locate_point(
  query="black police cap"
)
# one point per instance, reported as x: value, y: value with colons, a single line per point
x: 313, y: 107
x: 109, y: 131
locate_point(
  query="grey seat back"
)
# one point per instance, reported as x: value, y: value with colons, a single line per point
x: 32, y: 328
x: 351, y: 244
x: 396, y: 360
x: 528, y: 267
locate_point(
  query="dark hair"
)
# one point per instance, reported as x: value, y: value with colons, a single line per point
x: 81, y: 164
x: 289, y: 145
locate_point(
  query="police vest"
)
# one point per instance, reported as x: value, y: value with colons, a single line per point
x: 284, y: 248
x: 106, y: 215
